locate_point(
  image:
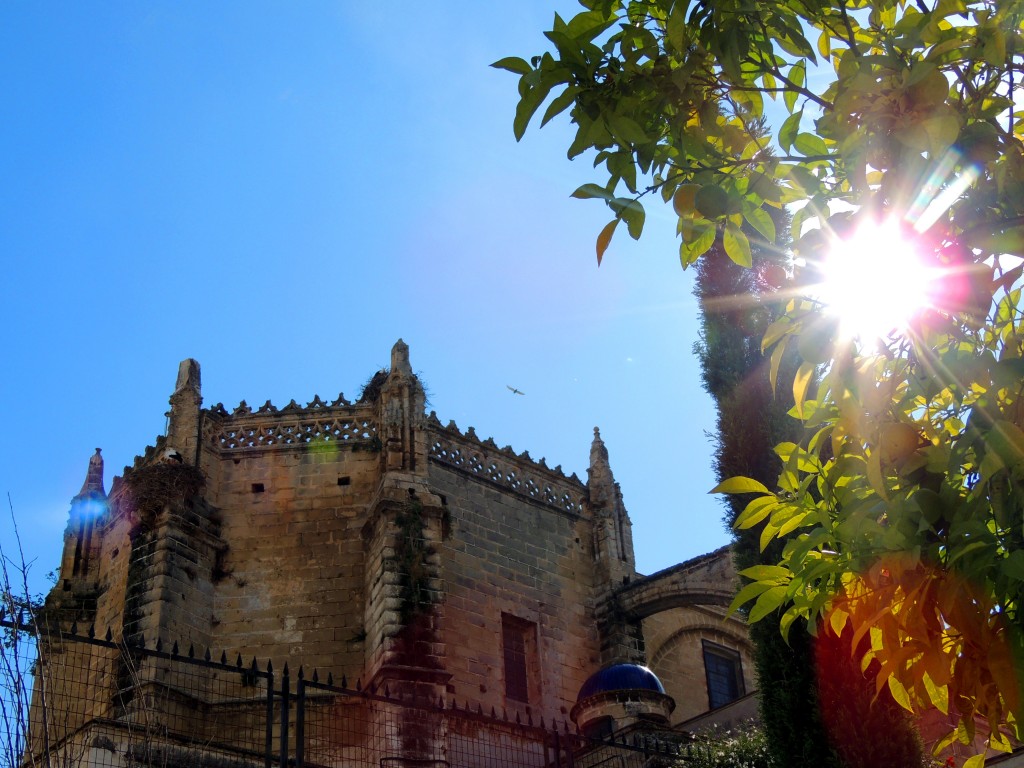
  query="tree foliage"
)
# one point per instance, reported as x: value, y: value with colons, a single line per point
x: 901, y: 516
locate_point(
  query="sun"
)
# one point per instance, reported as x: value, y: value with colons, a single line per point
x: 875, y: 280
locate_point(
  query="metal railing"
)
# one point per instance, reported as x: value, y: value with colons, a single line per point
x: 70, y: 700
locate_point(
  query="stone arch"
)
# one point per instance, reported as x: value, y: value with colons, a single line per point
x: 704, y: 627
x: 706, y: 580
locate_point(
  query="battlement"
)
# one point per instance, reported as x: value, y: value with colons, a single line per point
x: 337, y: 422
x: 519, y: 473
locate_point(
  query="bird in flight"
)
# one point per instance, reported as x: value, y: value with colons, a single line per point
x: 514, y: 391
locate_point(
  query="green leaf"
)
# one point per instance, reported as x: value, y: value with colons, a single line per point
x: 513, y: 64
x: 1007, y: 441
x: 808, y: 144
x: 797, y: 75
x: 1013, y: 565
x: 634, y: 214
x: 740, y: 485
x: 588, y: 191
x: 528, y: 104
x: 789, y: 130
x: 975, y: 761
x: 759, y: 219
x: 605, y: 238
x: 627, y: 129
x: 559, y: 104
x: 737, y: 246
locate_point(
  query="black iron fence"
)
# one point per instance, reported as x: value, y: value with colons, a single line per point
x: 70, y: 700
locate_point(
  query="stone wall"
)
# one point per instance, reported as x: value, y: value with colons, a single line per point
x: 370, y: 541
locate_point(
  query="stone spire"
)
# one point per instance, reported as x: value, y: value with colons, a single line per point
x: 601, y: 482
x: 613, y: 529
x: 188, y: 376
x: 93, y: 485
x: 183, y: 425
x: 400, y: 359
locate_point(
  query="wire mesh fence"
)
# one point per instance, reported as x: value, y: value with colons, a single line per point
x: 69, y: 700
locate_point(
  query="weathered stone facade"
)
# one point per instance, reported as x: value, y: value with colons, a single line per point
x: 370, y: 540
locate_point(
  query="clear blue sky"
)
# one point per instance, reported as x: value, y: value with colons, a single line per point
x: 283, y: 190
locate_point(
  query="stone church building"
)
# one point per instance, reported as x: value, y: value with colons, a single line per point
x: 370, y: 541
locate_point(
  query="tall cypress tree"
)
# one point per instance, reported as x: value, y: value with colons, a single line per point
x: 737, y: 304
x: 817, y: 707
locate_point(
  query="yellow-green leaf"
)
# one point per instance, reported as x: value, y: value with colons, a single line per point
x: 825, y: 44
x: 748, y: 593
x: 937, y: 694
x: 801, y: 382
x: 763, y: 572
x: 740, y: 485
x: 737, y: 246
x: 755, y: 512
x: 899, y: 693
x: 767, y: 603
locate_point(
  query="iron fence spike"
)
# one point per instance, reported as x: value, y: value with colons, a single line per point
x: 91, y: 631
x: 174, y: 649
x: 254, y: 667
x: 207, y: 656
x: 316, y: 677
x: 359, y: 684
x: 285, y: 670
x: 238, y: 661
x: 479, y: 708
x: 191, y: 651
x: 109, y: 635
x: 330, y: 678
x: 224, y: 658
x: 74, y: 624
x: 302, y: 673
x: 518, y: 721
x: 529, y: 718
x: 494, y: 715
x: 270, y: 665
x: 141, y: 641
x: 159, y: 645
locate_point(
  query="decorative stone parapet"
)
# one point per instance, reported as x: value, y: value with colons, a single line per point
x: 294, y: 426
x: 519, y: 473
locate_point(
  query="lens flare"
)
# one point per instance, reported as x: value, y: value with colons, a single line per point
x: 874, y: 281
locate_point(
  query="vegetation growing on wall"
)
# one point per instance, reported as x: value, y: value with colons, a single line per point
x: 152, y: 487
x: 412, y: 554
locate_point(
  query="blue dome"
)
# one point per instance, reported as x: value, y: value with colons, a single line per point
x: 620, y: 677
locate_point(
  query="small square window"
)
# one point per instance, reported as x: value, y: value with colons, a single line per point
x: 724, y: 671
